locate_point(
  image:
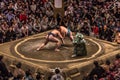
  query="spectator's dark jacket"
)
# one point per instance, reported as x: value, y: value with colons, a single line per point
x: 99, y: 71
x: 3, y: 69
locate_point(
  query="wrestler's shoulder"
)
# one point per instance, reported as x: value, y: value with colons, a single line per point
x: 61, y: 26
x: 55, y: 30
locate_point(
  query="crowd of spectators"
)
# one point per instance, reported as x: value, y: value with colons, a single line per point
x: 107, y: 71
x: 16, y: 72
x: 20, y: 18
x: 98, y: 18
x: 110, y: 70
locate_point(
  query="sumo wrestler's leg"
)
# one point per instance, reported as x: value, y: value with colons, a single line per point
x: 58, y: 43
x: 71, y: 36
x: 42, y: 45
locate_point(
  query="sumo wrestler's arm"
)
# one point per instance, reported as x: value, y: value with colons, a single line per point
x: 61, y: 37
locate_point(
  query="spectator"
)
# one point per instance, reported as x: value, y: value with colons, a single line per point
x: 28, y: 75
x: 5, y: 26
x: 117, y: 61
x: 16, y: 30
x: 18, y: 73
x: 52, y: 23
x: 48, y: 4
x: 10, y: 35
x: 44, y: 23
x: 117, y: 38
x: 30, y: 26
x: 10, y: 16
x: 3, y: 69
x: 76, y: 14
x: 36, y: 26
x: 49, y: 13
x: 95, y: 30
x: 33, y: 7
x: 117, y: 75
x: 101, y: 32
x: 105, y: 32
x: 39, y: 76
x: 23, y: 17
x: 59, y: 19
x: 1, y: 35
x: 57, y: 75
x: 24, y: 30
x: 97, y: 72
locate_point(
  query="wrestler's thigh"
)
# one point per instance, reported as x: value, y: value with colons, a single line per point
x: 53, y: 39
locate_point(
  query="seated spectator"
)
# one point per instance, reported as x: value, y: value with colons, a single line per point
x: 57, y: 75
x: 18, y: 73
x: 48, y: 4
x: 52, y: 23
x: 36, y: 27
x: 117, y: 37
x: 95, y: 30
x: 23, y: 16
x: 24, y: 30
x: 10, y: 16
x: 28, y: 75
x: 10, y: 34
x: 44, y: 23
x: 116, y: 63
x: 39, y: 76
x: 30, y: 26
x: 33, y: 7
x: 4, y: 74
x: 117, y: 75
x: 5, y: 26
x: 1, y: 35
x: 16, y: 30
x: 97, y: 72
x: 49, y: 13
x: 107, y: 66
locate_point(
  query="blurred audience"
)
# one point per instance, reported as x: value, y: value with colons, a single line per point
x: 97, y: 18
x: 20, y: 18
x: 107, y: 71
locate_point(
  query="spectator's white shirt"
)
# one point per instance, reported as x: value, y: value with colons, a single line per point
x: 67, y: 12
x: 44, y: 23
x: 57, y: 77
x: 37, y: 26
x: 49, y: 13
x: 48, y: 4
x: 118, y: 3
x: 1, y: 16
x: 71, y: 8
x: 2, y: 4
x: 30, y: 26
x: 33, y: 7
x: 24, y: 29
x: 15, y: 6
x: 53, y: 22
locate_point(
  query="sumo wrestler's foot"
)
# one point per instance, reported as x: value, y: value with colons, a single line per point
x: 57, y: 49
x: 38, y: 49
x: 74, y: 55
